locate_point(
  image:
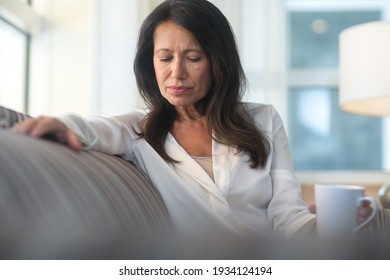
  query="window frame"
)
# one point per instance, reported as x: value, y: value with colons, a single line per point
x: 22, y: 16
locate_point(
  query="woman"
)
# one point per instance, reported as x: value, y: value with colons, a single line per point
x: 221, y: 166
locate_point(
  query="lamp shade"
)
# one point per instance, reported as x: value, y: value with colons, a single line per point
x: 365, y: 69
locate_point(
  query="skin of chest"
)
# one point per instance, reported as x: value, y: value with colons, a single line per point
x: 193, y: 136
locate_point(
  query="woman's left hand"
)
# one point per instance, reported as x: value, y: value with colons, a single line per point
x: 363, y: 212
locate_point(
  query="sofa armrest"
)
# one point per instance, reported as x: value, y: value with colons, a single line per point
x: 57, y: 203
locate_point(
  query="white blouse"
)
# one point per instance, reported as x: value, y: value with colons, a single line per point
x: 254, y: 202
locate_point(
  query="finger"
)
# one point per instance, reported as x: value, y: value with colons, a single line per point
x: 364, y: 212
x: 312, y: 208
x: 45, y: 125
x: 60, y: 132
x: 365, y: 203
x: 24, y: 127
x: 73, y: 141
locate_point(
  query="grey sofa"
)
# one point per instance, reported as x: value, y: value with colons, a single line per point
x: 56, y: 203
x: 59, y: 204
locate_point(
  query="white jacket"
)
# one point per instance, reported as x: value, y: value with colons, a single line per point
x: 241, y: 199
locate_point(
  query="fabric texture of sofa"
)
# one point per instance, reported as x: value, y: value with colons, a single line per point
x: 59, y: 204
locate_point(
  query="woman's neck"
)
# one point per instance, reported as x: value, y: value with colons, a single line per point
x: 191, y: 132
x: 187, y: 113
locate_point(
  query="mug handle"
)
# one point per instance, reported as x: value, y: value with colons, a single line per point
x: 374, y: 205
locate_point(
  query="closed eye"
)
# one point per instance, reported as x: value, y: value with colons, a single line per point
x: 193, y: 59
x: 165, y: 59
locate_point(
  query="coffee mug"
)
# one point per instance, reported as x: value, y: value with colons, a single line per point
x: 336, y: 207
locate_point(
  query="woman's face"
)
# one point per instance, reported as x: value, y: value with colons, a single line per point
x: 182, y: 68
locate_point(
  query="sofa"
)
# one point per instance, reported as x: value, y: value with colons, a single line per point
x: 59, y: 204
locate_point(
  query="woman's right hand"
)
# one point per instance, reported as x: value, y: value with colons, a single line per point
x: 41, y: 127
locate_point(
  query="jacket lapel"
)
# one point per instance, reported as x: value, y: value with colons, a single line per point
x: 190, y: 167
x: 222, y: 166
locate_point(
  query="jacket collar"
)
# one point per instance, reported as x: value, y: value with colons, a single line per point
x: 190, y: 167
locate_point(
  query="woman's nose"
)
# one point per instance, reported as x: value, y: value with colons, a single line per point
x: 178, y: 69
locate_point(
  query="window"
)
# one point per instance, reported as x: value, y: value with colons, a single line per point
x: 319, y: 131
x: 18, y: 21
x: 13, y: 45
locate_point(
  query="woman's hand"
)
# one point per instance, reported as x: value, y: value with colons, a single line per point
x: 363, y: 212
x: 41, y: 127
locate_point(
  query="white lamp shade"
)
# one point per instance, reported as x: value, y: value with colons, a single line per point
x: 365, y: 69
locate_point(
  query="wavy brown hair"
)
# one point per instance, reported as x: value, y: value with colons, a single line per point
x: 226, y: 119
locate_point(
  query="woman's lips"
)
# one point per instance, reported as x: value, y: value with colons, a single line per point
x: 179, y: 90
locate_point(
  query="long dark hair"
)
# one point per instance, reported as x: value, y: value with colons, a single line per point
x: 227, y: 121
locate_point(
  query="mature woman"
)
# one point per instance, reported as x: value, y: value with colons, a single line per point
x: 221, y: 166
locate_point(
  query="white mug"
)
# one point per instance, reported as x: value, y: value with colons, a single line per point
x: 336, y: 207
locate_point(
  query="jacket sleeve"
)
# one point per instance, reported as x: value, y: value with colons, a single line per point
x: 114, y: 135
x: 287, y: 211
